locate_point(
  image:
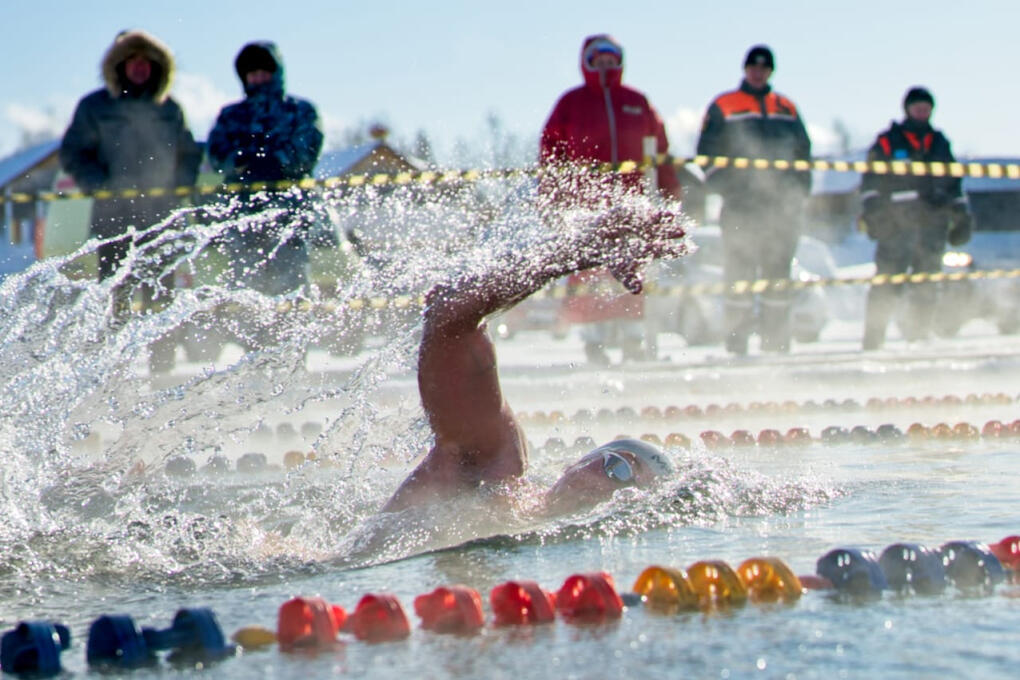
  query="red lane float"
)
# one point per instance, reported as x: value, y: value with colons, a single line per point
x: 713, y: 439
x: 517, y: 603
x: 589, y: 597
x: 1008, y: 552
x: 798, y: 436
x: 378, y: 618
x: 742, y: 438
x: 450, y: 609
x: 309, y: 622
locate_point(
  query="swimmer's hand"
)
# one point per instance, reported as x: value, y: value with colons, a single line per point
x: 630, y: 238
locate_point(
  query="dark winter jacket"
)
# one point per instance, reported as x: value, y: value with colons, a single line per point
x: 753, y: 123
x: 911, y: 141
x: 129, y: 138
x: 269, y: 135
x: 605, y: 122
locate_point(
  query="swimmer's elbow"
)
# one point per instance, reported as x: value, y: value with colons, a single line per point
x: 449, y: 308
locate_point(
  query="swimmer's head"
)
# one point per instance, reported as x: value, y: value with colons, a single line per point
x: 592, y: 479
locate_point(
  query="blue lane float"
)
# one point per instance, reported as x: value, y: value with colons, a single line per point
x: 853, y: 571
x: 194, y: 634
x: 34, y: 648
x: 913, y: 568
x: 114, y: 640
x: 970, y: 565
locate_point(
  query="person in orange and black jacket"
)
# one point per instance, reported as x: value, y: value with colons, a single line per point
x: 602, y: 121
x: 910, y: 217
x: 762, y: 209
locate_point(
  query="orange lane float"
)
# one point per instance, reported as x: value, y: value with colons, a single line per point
x: 672, y: 413
x: 769, y: 579
x: 665, y: 589
x: 677, y: 440
x: 651, y: 439
x: 651, y: 413
x: 918, y: 432
x: 521, y: 603
x: 589, y: 597
x: 716, y: 584
x: 450, y: 609
x: 769, y: 437
x: 965, y: 431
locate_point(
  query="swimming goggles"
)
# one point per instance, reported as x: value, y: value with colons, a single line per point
x: 617, y: 468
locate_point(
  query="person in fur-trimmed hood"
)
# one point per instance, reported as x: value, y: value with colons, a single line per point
x: 130, y: 134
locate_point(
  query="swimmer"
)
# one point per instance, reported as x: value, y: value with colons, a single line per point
x: 478, y: 440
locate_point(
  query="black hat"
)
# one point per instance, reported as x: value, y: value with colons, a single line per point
x: 917, y: 94
x: 760, y: 55
x: 255, y: 57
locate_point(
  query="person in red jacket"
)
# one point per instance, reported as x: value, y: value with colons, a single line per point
x: 602, y: 121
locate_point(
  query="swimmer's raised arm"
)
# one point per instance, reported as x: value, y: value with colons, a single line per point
x: 477, y: 437
x: 624, y: 239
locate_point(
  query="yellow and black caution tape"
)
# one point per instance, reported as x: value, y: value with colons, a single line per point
x: 435, y: 177
x: 762, y: 285
x: 559, y: 292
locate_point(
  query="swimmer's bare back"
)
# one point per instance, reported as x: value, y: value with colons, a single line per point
x: 477, y: 437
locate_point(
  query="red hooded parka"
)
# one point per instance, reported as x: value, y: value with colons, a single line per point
x: 604, y: 121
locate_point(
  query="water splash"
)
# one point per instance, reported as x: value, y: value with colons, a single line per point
x: 87, y: 430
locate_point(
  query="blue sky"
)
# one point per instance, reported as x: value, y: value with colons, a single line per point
x: 445, y: 66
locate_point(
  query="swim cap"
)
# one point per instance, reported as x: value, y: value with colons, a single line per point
x: 648, y: 454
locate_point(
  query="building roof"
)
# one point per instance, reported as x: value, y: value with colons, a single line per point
x: 21, y: 162
x: 339, y: 162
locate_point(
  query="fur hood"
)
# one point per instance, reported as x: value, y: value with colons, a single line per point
x: 129, y: 42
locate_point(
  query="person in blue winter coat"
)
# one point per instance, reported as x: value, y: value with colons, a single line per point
x: 266, y: 137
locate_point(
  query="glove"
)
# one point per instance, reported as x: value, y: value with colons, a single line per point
x: 961, y: 224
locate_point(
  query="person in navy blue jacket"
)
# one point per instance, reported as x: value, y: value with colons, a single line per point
x: 267, y: 137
